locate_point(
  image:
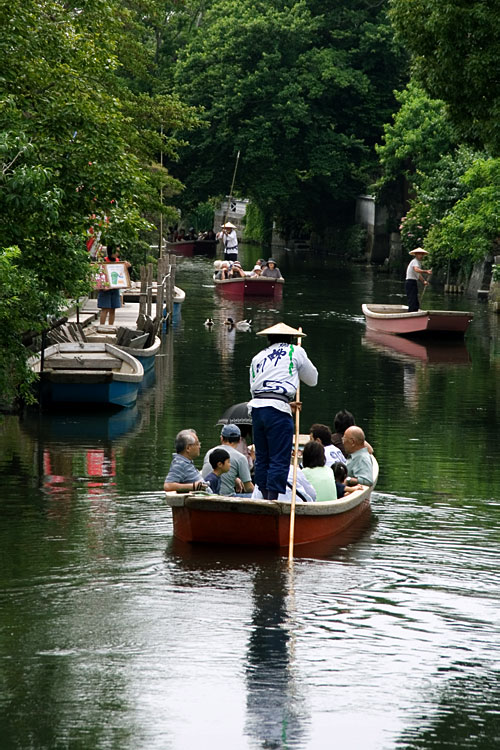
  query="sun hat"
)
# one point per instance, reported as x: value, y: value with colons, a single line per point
x: 271, y: 260
x: 231, y: 431
x: 217, y: 264
x: 257, y: 267
x: 280, y: 328
x: 228, y: 225
x: 237, y: 263
x: 418, y: 250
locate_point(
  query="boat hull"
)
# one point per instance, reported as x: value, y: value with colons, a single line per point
x: 88, y: 373
x: 246, y: 527
x: 216, y: 519
x: 192, y: 247
x: 397, y: 320
x: 250, y: 287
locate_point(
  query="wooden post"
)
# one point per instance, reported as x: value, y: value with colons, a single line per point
x: 295, y: 467
x: 149, y: 277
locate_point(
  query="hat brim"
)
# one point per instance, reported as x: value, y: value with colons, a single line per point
x: 281, y: 329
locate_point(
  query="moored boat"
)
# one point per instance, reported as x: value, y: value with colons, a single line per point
x: 250, y: 286
x: 218, y: 519
x: 138, y: 346
x: 188, y: 248
x: 396, y: 319
x: 87, y: 373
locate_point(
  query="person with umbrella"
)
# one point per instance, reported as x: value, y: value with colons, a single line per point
x: 275, y: 373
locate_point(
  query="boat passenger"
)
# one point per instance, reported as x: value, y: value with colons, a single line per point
x: 304, y: 491
x: 223, y: 271
x: 275, y: 373
x: 322, y: 434
x: 414, y: 272
x: 256, y: 270
x: 340, y: 473
x: 320, y: 476
x: 238, y: 478
x: 220, y: 463
x: 271, y: 271
x: 229, y: 240
x: 183, y: 476
x: 342, y: 420
x: 236, y: 271
x: 359, y: 465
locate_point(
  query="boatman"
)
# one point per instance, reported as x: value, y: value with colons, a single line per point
x: 229, y: 241
x: 275, y: 373
x: 414, y: 272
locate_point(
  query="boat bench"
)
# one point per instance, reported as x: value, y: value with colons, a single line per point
x: 83, y: 363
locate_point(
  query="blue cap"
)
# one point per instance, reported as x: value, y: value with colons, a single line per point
x: 231, y: 431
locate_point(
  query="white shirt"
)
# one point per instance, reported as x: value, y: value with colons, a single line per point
x: 410, y: 271
x: 303, y: 486
x: 278, y: 369
x: 332, y: 454
x: 230, y: 241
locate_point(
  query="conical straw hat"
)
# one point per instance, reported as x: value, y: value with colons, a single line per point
x: 280, y: 328
x: 418, y: 250
x: 228, y: 225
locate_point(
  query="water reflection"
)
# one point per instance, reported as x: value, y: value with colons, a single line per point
x: 407, y: 350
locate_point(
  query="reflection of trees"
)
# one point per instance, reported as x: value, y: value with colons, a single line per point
x: 275, y: 710
x: 467, y: 716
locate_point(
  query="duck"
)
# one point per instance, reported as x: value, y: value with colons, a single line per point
x: 208, y: 323
x: 241, y: 325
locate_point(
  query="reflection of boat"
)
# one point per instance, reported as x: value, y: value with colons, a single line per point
x: 188, y: 248
x: 432, y: 351
x: 179, y: 297
x: 397, y: 319
x: 81, y: 428
x: 88, y: 373
x: 248, y: 286
x: 229, y: 520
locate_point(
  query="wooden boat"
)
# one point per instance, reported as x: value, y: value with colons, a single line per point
x: 250, y: 286
x: 218, y: 519
x: 188, y: 248
x: 136, y: 348
x: 397, y: 319
x: 87, y: 373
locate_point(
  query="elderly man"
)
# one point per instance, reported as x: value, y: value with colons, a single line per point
x: 359, y: 465
x: 183, y: 476
x: 237, y: 479
x: 275, y: 373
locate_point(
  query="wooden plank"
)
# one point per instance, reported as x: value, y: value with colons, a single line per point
x: 139, y: 342
x: 83, y: 363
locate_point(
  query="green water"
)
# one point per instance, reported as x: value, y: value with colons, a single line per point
x: 114, y: 635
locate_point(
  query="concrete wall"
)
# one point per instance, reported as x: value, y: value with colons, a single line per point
x: 373, y: 218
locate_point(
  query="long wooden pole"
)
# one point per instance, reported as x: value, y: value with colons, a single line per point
x: 232, y: 187
x: 295, y: 467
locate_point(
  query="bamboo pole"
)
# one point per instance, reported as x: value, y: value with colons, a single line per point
x: 295, y: 467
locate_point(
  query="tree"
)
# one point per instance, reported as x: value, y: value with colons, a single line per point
x: 455, y: 48
x: 301, y: 89
x: 77, y: 145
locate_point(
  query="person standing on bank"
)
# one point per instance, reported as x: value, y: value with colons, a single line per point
x: 108, y: 300
x: 414, y: 272
x: 229, y: 241
x: 275, y: 373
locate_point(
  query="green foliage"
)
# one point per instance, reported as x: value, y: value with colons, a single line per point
x: 495, y: 272
x: 455, y: 48
x: 421, y: 134
x: 437, y: 191
x: 468, y: 231
x: 301, y: 89
x: 258, y: 227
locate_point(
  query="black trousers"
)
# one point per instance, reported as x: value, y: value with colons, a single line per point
x: 411, y: 289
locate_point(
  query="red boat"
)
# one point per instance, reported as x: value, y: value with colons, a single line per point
x: 250, y: 286
x: 397, y: 319
x: 188, y: 248
x: 218, y: 519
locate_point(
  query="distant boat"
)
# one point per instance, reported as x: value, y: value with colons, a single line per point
x: 88, y: 373
x: 218, y: 519
x: 188, y: 248
x: 250, y: 286
x: 397, y: 319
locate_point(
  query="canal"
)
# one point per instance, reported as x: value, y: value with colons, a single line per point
x: 113, y: 635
